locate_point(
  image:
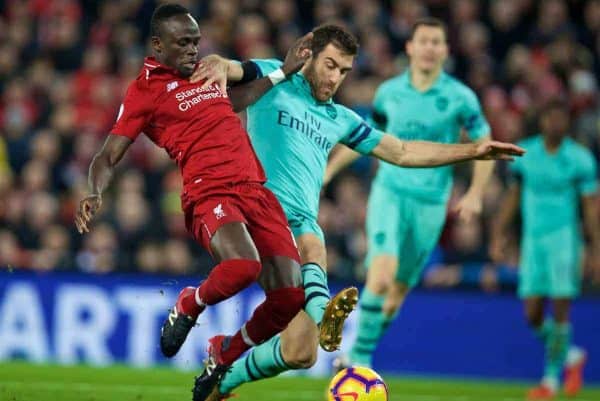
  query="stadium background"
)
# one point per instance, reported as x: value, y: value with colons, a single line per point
x: 64, y: 66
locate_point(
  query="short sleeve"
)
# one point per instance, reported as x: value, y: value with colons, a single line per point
x: 587, y: 182
x: 378, y: 117
x: 472, y: 118
x: 361, y: 136
x: 266, y: 66
x: 134, y: 113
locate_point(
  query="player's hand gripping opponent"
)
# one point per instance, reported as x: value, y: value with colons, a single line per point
x: 297, y: 55
x: 216, y: 69
x: 86, y: 212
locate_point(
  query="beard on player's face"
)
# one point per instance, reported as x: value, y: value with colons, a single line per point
x: 326, y: 72
x: 321, y: 89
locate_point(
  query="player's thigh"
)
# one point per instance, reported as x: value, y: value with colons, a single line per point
x: 279, y: 272
x: 563, y: 251
x: 550, y: 265
x: 300, y: 340
x: 381, y: 273
x: 384, y: 230
x: 268, y: 224
x: 220, y: 227
x: 533, y: 275
x: 425, y: 222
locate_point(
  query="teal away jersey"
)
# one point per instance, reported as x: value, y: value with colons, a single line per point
x: 438, y: 115
x: 292, y: 134
x: 552, y: 184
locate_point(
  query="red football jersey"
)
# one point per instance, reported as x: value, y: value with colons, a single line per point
x: 197, y: 128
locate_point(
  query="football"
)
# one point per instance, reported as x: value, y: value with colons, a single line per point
x: 357, y: 384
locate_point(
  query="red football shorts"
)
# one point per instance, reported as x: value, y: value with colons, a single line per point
x: 251, y: 204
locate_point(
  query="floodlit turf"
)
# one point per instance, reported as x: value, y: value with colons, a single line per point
x: 26, y: 382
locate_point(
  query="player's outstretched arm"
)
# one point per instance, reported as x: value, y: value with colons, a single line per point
x: 506, y: 214
x: 433, y: 154
x: 99, y: 176
x: 341, y: 157
x: 216, y: 69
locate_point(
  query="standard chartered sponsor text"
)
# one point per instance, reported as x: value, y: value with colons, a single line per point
x: 191, y: 97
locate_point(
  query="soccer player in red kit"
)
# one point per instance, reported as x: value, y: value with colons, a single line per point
x: 227, y: 208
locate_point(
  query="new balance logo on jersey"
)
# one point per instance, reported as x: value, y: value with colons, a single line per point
x: 172, y: 85
x: 218, y: 211
x: 120, y: 111
x: 172, y: 316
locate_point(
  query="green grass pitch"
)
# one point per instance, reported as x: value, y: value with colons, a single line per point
x: 26, y: 382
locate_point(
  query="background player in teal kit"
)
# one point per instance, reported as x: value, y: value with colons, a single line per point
x: 293, y: 127
x: 407, y: 207
x: 549, y: 185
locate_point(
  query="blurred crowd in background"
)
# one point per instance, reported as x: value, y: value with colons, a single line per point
x: 65, y: 64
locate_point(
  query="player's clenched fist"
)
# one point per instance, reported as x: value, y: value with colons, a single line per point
x: 88, y: 207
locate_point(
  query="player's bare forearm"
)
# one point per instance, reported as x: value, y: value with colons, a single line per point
x: 421, y: 153
x: 591, y: 217
x: 99, y: 176
x: 434, y: 154
x: 482, y: 171
x: 242, y: 96
x: 104, y: 162
x: 507, y: 210
x: 341, y: 157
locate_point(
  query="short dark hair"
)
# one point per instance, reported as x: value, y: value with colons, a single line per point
x: 164, y: 12
x: 428, y: 21
x: 336, y: 35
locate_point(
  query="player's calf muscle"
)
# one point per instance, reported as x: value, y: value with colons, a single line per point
x: 299, y: 342
x: 312, y: 250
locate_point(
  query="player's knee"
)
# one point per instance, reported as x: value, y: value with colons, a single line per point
x: 299, y: 345
x: 381, y: 275
x: 379, y: 283
x: 535, y: 317
x: 300, y: 356
x: 391, y: 305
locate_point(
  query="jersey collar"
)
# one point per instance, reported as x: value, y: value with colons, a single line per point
x: 436, y: 87
x: 153, y: 66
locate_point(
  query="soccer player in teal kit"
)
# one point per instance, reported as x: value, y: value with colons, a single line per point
x: 549, y: 184
x: 407, y: 207
x: 293, y: 128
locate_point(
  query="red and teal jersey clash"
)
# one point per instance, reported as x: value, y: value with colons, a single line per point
x: 198, y: 129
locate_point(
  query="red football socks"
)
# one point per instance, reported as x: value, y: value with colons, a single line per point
x: 227, y: 279
x: 268, y: 319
